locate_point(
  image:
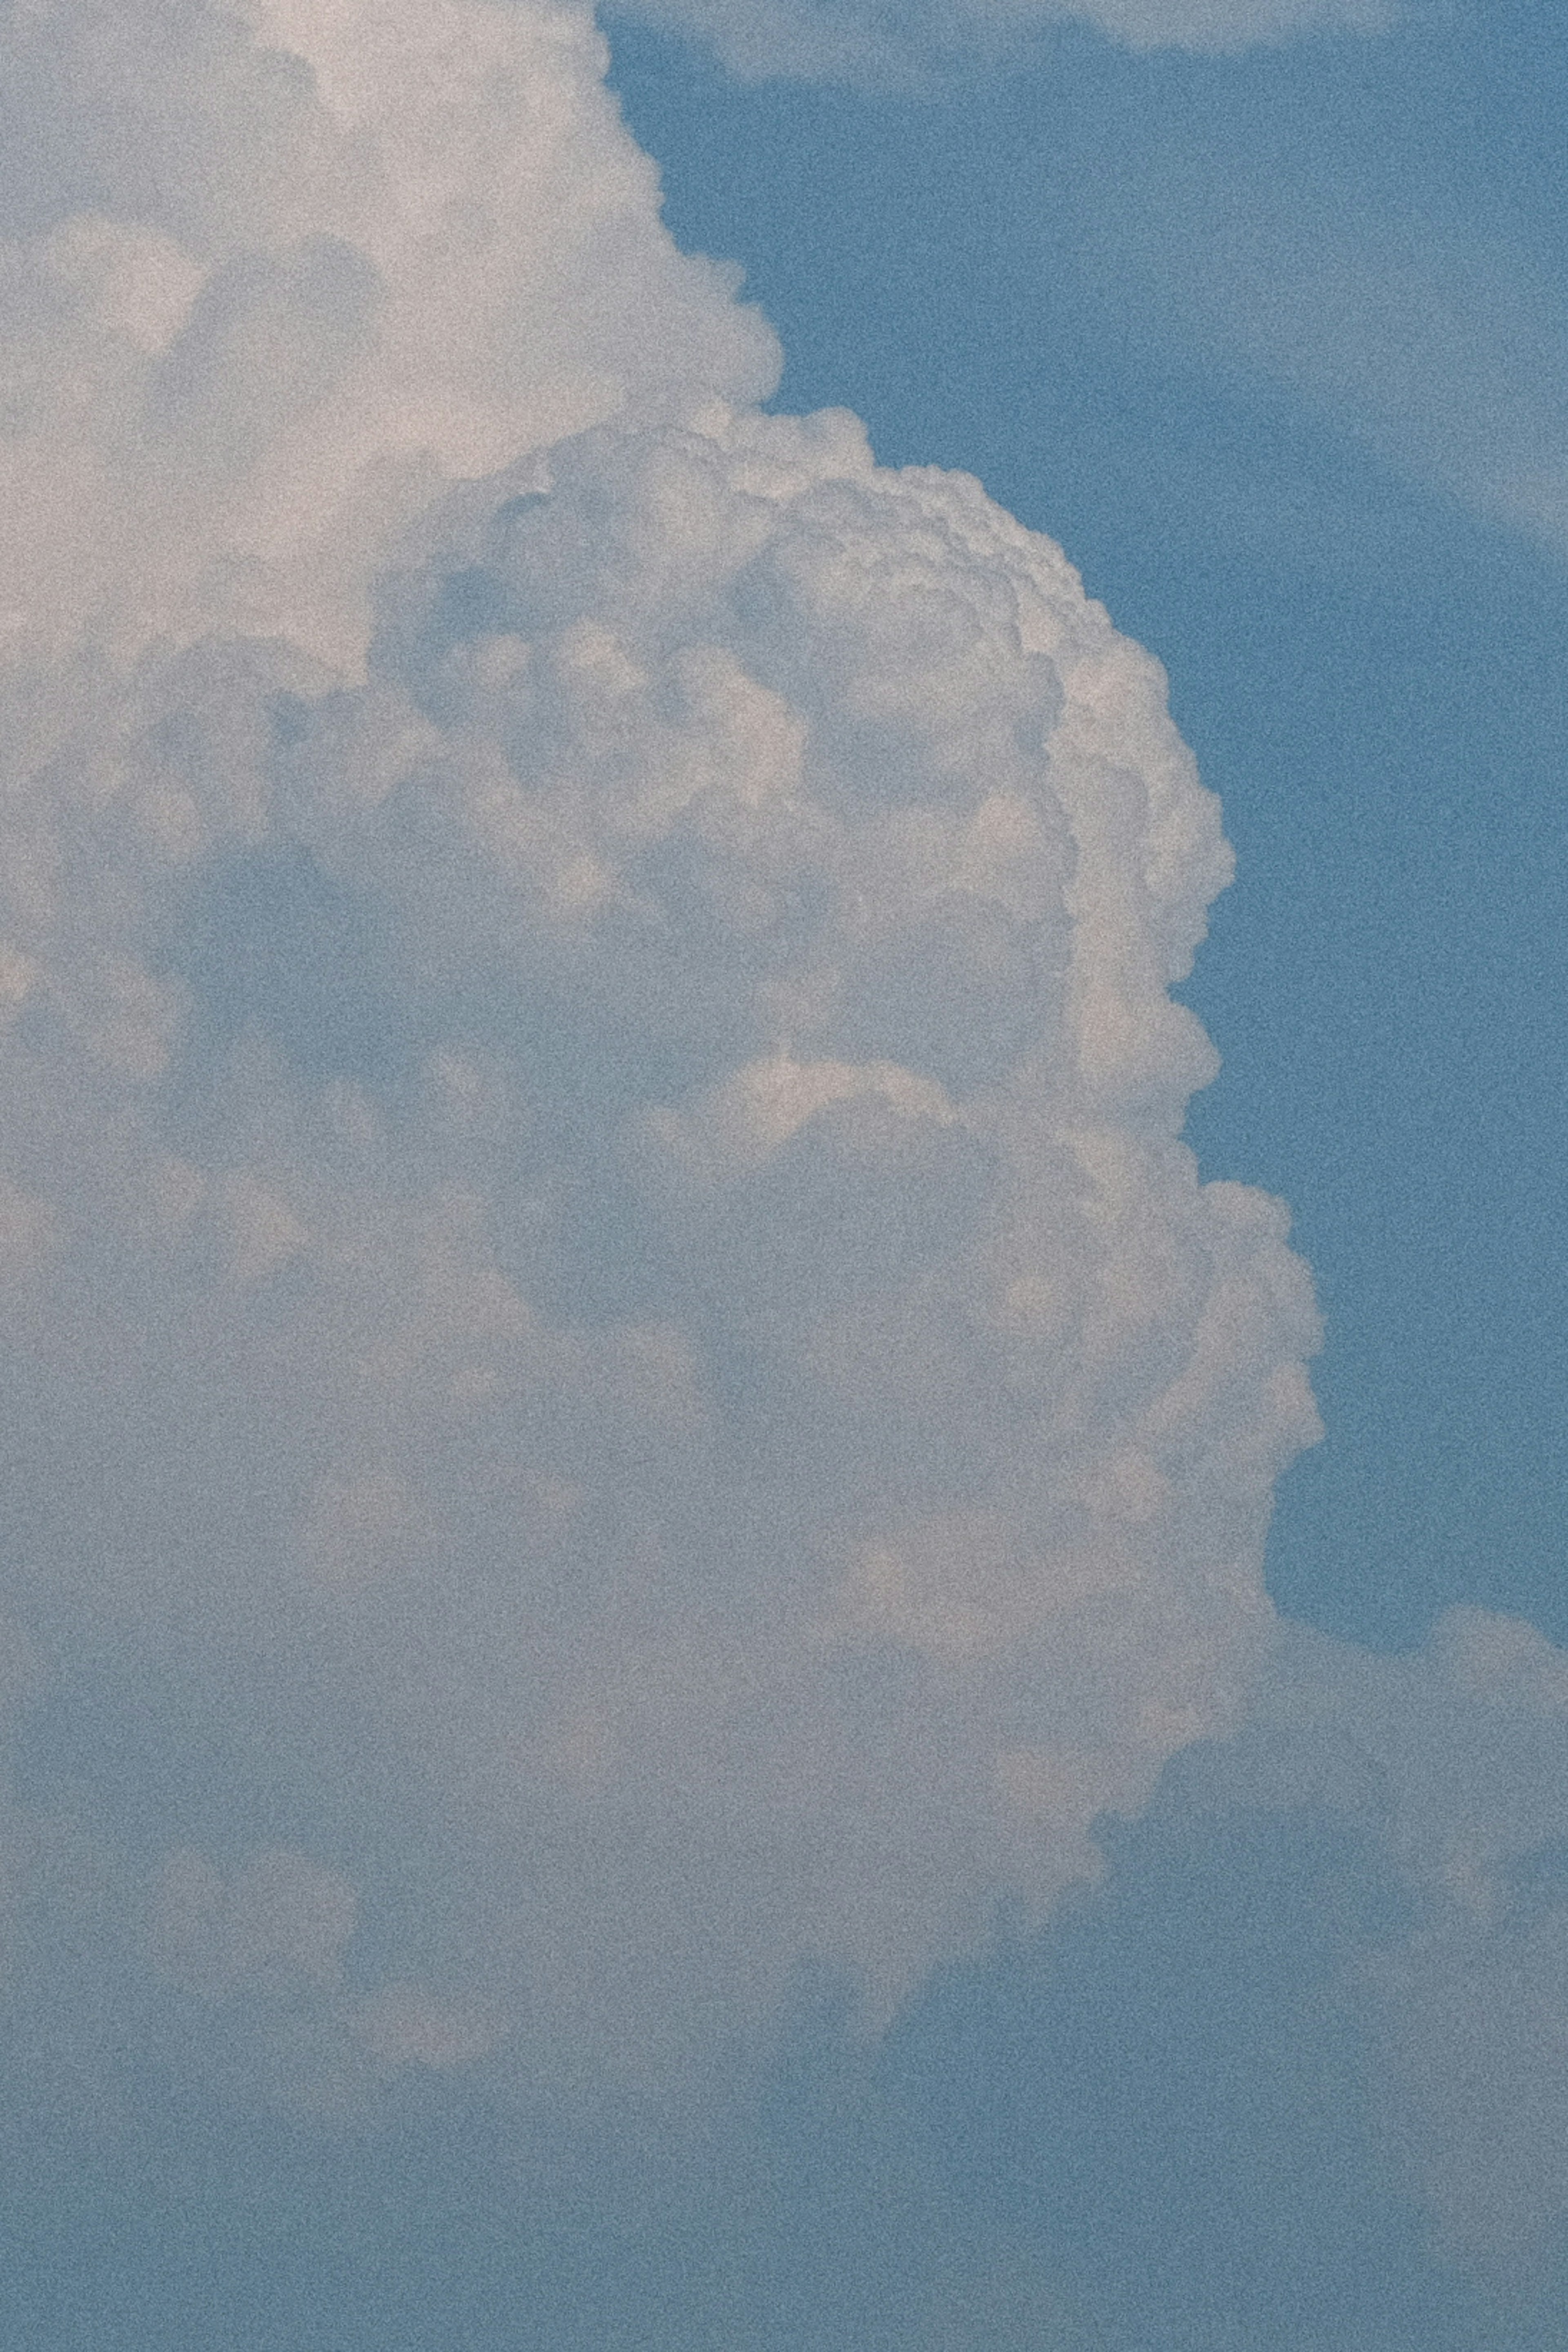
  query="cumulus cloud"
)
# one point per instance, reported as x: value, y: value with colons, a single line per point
x: 1292, y: 2072
x: 271, y: 274
x: 1335, y: 1947
x: 881, y: 41
x: 609, y: 1326
x: 1455, y: 1759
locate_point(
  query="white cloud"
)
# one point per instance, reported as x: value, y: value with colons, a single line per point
x: 879, y: 41
x: 273, y: 274
x: 599, y: 1211
x: 1452, y: 1763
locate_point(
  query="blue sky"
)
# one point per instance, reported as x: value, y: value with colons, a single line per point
x: 679, y: 1672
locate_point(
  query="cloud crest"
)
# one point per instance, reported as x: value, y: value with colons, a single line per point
x: 274, y: 274
x: 591, y: 1181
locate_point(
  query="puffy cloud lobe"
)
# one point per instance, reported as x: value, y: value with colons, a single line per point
x: 1292, y: 2073
x: 883, y: 41
x: 1456, y: 1758
x: 593, y: 1191
x: 649, y: 1130
x: 270, y: 275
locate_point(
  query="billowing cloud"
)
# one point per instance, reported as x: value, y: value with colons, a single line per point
x: 272, y: 274
x: 1293, y: 2072
x: 617, y: 1379
x: 1457, y: 1757
x: 881, y: 41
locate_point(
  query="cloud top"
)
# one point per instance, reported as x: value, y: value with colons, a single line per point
x: 276, y: 274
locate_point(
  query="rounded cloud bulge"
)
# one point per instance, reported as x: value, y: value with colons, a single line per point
x: 274, y: 272
x: 618, y: 1381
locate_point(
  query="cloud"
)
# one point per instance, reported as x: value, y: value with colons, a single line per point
x: 1458, y: 1759
x: 594, y: 1193
x: 1296, y: 234
x: 1442, y: 352
x: 1285, y: 2074
x: 894, y: 41
x: 271, y: 275
x: 619, y: 1394
x: 1291, y: 2071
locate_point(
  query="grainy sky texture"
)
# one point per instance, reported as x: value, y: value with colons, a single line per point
x: 883, y: 44
x: 644, y: 1703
